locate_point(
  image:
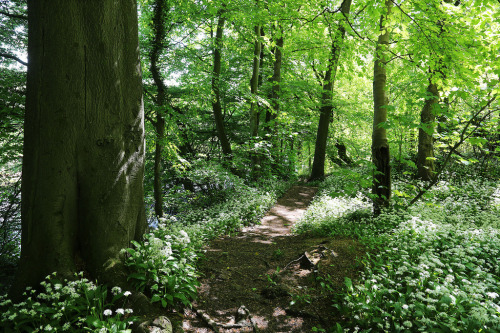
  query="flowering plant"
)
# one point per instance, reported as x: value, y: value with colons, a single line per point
x: 163, y: 266
x: 69, y: 306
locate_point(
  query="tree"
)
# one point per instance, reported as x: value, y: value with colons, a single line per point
x: 380, y: 146
x: 82, y: 186
x: 158, y: 27
x: 318, y: 168
x: 216, y: 104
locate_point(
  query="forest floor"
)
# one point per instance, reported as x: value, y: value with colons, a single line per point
x: 265, y: 279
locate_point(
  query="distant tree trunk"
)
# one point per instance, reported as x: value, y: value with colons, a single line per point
x: 380, y: 145
x: 83, y: 165
x: 157, y: 46
x: 254, y: 83
x: 318, y: 168
x: 425, y: 155
x: 342, y: 152
x: 271, y: 115
x: 216, y: 105
x: 254, y: 106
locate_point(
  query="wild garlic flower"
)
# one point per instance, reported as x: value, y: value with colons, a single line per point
x: 120, y: 311
x: 116, y: 290
x: 108, y: 312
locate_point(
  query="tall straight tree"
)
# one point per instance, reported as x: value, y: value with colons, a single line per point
x: 83, y: 166
x: 425, y: 154
x: 380, y: 146
x: 254, y: 84
x: 157, y: 42
x: 271, y: 115
x: 318, y: 168
x: 216, y: 104
x: 254, y: 87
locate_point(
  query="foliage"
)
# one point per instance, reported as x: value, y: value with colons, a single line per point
x: 76, y: 305
x: 164, y: 266
x: 433, y: 267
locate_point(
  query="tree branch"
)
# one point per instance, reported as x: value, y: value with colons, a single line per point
x: 17, y: 16
x: 13, y: 57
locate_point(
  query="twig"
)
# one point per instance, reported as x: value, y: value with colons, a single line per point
x: 17, y: 16
x: 13, y: 57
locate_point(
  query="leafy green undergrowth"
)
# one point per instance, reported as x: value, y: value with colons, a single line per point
x: 434, y: 267
x: 164, y: 264
x: 68, y: 306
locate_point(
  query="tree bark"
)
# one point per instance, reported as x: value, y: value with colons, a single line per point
x: 254, y: 85
x: 83, y: 166
x: 160, y: 101
x: 271, y: 115
x: 380, y: 146
x: 254, y: 107
x: 425, y: 155
x: 216, y: 105
x: 318, y: 168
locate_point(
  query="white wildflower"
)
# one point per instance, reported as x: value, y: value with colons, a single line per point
x: 166, y: 251
x: 120, y: 311
x: 492, y: 295
x: 108, y: 312
x: 116, y: 290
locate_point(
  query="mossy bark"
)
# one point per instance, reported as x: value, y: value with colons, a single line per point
x: 83, y: 166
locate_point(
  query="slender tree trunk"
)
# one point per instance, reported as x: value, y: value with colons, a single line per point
x: 318, y: 168
x: 380, y: 146
x: 425, y: 155
x: 83, y: 166
x: 254, y: 107
x: 216, y: 105
x: 254, y: 85
x: 157, y: 46
x: 271, y: 115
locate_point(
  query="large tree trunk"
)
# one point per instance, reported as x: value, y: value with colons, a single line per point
x: 161, y: 98
x: 216, y: 105
x: 380, y: 146
x: 318, y: 168
x: 82, y: 187
x: 425, y: 155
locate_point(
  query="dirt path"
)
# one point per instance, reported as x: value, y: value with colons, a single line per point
x: 266, y: 280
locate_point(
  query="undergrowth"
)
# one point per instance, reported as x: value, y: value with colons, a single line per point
x: 162, y: 265
x: 434, y: 267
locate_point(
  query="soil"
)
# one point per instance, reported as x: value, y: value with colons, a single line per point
x: 265, y: 279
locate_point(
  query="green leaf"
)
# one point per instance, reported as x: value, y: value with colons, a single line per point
x: 137, y: 276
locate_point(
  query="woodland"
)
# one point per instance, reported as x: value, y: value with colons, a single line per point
x: 134, y: 133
